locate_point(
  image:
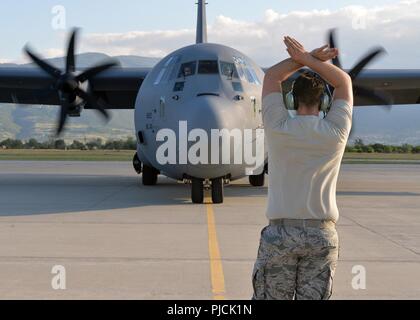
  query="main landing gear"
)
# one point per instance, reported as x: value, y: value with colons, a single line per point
x: 259, y: 180
x: 197, y: 189
x: 150, y: 174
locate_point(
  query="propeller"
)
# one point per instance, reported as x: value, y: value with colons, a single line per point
x: 381, y: 98
x: 378, y: 97
x: 71, y: 85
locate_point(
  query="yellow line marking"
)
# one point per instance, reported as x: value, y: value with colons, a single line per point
x: 216, y: 267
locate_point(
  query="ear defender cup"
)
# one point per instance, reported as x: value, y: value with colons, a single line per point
x: 290, y: 100
x: 325, y: 102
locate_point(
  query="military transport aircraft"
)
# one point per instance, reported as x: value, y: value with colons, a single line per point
x: 210, y: 86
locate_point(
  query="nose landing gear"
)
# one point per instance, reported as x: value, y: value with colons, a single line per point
x: 197, y: 190
x: 217, y: 186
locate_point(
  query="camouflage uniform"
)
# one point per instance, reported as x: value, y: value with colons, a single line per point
x: 296, y: 262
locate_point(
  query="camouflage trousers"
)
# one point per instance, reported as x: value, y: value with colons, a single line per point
x: 295, y: 262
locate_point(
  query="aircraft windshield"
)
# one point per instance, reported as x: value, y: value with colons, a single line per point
x: 164, y: 74
x: 229, y: 70
x: 246, y: 72
x: 208, y: 67
x: 187, y: 69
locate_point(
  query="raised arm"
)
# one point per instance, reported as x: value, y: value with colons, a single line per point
x: 283, y: 70
x: 277, y: 74
x: 336, y: 77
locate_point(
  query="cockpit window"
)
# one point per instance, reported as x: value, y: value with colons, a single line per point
x: 208, y: 67
x: 179, y: 86
x: 249, y: 76
x: 245, y: 71
x: 164, y: 73
x: 187, y: 69
x: 174, y: 68
x: 254, y: 75
x: 229, y: 70
x: 237, y: 86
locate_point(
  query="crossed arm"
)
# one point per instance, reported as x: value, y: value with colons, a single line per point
x: 315, y: 60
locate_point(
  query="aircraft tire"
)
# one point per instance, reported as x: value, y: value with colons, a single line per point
x: 217, y: 190
x: 257, y: 181
x: 197, y: 191
x: 150, y: 176
x: 137, y: 164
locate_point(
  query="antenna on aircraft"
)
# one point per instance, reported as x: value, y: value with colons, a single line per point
x: 201, y: 22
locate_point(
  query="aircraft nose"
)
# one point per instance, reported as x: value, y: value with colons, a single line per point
x: 208, y: 112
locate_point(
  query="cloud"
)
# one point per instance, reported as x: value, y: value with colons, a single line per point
x: 53, y: 53
x: 149, y: 44
x: 6, y: 61
x: 396, y: 27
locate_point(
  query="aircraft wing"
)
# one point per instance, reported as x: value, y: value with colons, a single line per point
x: 400, y: 87
x: 117, y: 87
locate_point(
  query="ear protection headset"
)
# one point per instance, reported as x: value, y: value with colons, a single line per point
x: 325, y: 100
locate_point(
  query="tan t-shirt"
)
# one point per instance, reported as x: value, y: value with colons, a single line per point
x: 304, y: 157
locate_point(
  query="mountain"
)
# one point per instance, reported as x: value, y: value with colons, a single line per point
x: 25, y: 122
x: 397, y: 126
x: 85, y: 60
x: 372, y: 124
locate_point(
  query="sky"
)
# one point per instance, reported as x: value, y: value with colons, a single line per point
x: 155, y: 28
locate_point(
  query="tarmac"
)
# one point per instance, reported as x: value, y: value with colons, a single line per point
x: 117, y: 239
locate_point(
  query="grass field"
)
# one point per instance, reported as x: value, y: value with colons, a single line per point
x: 378, y: 158
x: 67, y: 155
x: 127, y: 155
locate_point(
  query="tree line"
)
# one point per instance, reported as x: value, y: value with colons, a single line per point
x: 60, y: 144
x: 360, y: 147
x: 130, y: 144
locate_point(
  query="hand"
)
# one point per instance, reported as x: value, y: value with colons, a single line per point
x: 296, y: 51
x: 325, y: 53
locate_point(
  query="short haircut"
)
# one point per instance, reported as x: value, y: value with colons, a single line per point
x: 308, y: 89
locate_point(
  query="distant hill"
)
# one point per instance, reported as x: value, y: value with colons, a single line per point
x: 372, y: 124
x: 84, y: 60
x: 378, y: 125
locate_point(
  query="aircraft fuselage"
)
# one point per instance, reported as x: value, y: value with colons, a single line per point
x: 202, y: 86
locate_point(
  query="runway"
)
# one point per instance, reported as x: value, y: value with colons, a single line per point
x: 120, y: 240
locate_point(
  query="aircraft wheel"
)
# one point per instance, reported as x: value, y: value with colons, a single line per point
x: 257, y: 181
x: 137, y: 164
x: 217, y: 190
x: 197, y: 191
x: 150, y: 176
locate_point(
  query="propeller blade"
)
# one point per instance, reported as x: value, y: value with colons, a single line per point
x: 48, y: 68
x: 62, y: 117
x: 70, y: 62
x: 90, y: 73
x: 92, y: 102
x: 365, y: 61
x: 336, y: 61
x: 375, y: 96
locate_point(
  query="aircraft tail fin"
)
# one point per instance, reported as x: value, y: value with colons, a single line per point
x: 201, y: 22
